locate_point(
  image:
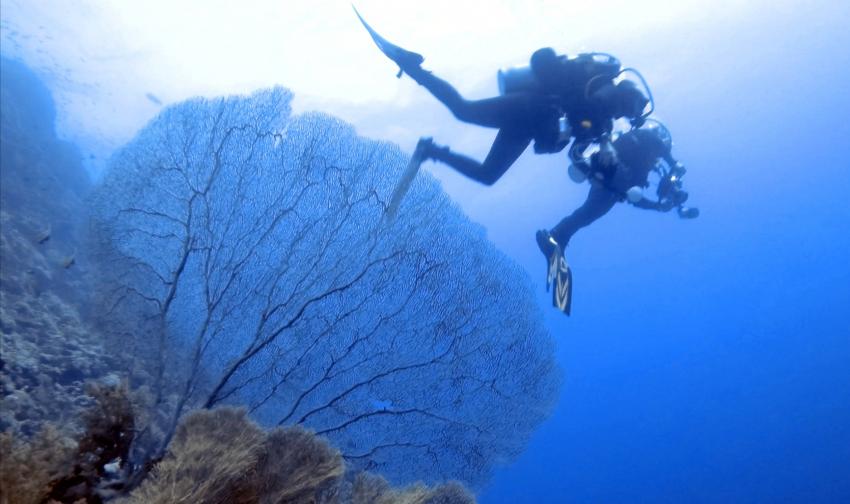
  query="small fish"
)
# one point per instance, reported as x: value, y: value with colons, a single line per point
x: 69, y: 261
x: 44, y: 235
x: 152, y: 97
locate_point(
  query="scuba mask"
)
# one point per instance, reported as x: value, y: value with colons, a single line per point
x: 633, y: 102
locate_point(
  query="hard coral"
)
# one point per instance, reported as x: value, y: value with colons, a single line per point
x: 295, y: 466
x: 27, y: 467
x: 221, y: 456
x: 373, y: 489
x: 110, y: 428
x: 210, y: 459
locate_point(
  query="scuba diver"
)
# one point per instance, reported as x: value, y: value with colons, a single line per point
x: 557, y: 99
x: 550, y: 102
x: 638, y: 153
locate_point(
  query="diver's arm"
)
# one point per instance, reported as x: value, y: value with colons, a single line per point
x: 648, y: 204
x: 675, y: 166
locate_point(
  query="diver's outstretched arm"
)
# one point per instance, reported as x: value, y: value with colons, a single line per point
x: 648, y: 204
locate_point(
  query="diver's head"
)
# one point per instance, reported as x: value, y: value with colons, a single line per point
x: 661, y: 132
x: 630, y: 102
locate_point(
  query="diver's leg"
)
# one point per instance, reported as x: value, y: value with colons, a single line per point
x: 497, y: 112
x: 508, y: 146
x: 599, y: 202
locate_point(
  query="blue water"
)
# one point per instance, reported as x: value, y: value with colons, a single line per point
x: 705, y: 360
x: 709, y: 360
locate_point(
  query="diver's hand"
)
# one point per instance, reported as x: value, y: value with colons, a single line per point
x: 688, y: 212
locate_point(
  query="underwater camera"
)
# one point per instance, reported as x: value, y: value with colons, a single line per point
x: 671, y: 194
x: 668, y: 186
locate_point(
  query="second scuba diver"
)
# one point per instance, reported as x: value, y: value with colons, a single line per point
x: 638, y: 153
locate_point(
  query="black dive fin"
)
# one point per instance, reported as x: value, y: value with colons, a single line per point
x: 389, y: 49
x: 560, y: 277
x: 419, y: 155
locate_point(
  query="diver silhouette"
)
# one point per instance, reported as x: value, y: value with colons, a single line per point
x: 564, y: 98
x: 638, y: 153
x: 553, y: 100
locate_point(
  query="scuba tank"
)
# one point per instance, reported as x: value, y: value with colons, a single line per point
x: 521, y: 78
x: 593, y: 67
x: 517, y: 79
x: 579, y: 71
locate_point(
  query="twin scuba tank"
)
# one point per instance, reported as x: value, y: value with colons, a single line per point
x: 588, y: 68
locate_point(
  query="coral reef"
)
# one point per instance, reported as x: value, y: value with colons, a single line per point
x: 47, y: 351
x: 47, y: 356
x: 216, y: 456
x: 373, y: 489
x: 222, y: 456
x: 65, y: 441
x: 28, y: 466
x: 110, y: 428
x: 51, y: 467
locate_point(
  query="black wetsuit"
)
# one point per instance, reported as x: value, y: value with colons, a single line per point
x: 637, y: 152
x: 522, y: 117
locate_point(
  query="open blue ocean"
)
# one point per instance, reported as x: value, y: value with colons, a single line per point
x: 206, y: 294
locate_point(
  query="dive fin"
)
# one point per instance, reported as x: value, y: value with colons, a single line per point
x: 554, y: 263
x: 419, y: 155
x: 390, y: 50
x: 562, y: 291
x: 551, y: 252
x: 559, y: 277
